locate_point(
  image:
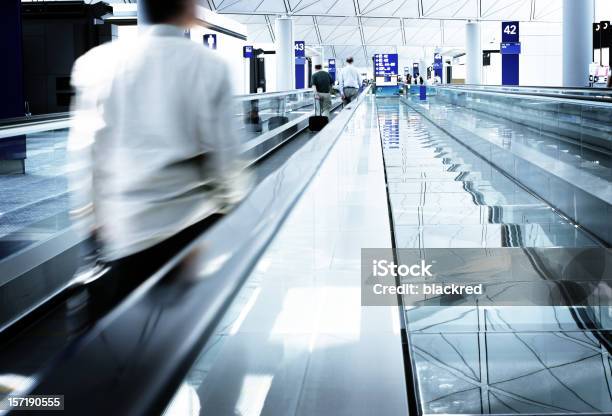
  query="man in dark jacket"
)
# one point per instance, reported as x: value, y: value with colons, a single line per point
x: 322, y: 83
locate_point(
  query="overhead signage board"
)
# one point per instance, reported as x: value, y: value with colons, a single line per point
x: 438, y: 65
x: 210, y: 40
x: 510, y: 32
x: 510, y: 48
x: 247, y: 51
x: 385, y: 64
x: 415, y: 69
x: 300, y: 49
x: 437, y: 61
x: 331, y: 68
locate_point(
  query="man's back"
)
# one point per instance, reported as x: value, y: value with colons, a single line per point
x: 350, y: 77
x: 157, y: 110
x: 322, y: 81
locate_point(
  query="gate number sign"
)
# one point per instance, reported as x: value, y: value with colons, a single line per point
x: 510, y: 32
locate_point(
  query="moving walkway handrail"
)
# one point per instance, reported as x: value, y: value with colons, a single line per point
x: 264, y: 95
x: 134, y: 360
x: 45, y: 122
x: 594, y: 90
x: 599, y: 99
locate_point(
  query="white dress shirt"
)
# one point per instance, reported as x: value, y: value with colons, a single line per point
x: 153, y: 132
x: 349, y: 77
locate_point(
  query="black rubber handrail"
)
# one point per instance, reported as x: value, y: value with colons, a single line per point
x: 560, y: 97
x: 21, y: 121
x: 134, y: 360
x: 546, y: 87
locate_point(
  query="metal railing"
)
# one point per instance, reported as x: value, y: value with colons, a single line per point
x: 603, y: 95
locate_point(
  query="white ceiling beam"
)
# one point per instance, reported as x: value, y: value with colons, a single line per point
x: 317, y: 31
x: 270, y: 29
x: 344, y: 16
x: 287, y: 6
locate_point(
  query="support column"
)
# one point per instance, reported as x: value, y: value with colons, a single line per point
x: 473, y: 54
x: 142, y: 18
x: 285, y: 55
x: 423, y: 69
x: 577, y: 42
x: 12, y: 103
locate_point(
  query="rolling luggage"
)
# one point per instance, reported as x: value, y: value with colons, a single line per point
x: 317, y: 122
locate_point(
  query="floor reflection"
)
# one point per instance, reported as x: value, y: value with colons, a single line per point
x: 488, y: 359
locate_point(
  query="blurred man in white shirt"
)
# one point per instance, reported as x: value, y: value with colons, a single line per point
x: 350, y: 81
x: 153, y: 130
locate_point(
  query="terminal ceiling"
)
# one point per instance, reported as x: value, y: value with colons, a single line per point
x: 361, y: 28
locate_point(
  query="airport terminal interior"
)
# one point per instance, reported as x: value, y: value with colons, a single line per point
x: 424, y: 226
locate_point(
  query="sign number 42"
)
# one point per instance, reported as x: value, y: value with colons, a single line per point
x: 510, y: 29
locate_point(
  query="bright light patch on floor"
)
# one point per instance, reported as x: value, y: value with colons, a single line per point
x: 185, y: 402
x: 253, y: 394
x: 245, y: 311
x: 326, y: 310
x: 395, y: 321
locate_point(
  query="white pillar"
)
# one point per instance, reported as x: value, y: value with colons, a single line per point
x: 423, y: 69
x: 142, y: 19
x: 577, y: 42
x: 473, y: 54
x: 285, y: 55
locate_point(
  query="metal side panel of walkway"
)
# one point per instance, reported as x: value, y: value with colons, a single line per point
x: 522, y: 358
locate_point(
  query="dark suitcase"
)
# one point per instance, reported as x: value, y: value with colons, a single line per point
x: 317, y: 122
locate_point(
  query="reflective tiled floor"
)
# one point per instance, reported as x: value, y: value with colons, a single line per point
x: 489, y: 360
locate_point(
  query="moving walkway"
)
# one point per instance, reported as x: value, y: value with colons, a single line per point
x: 39, y: 249
x: 487, y: 177
x: 185, y: 300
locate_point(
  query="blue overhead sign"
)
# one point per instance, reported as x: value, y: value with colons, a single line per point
x: 247, y: 51
x: 510, y: 48
x: 300, y: 49
x: 437, y: 61
x: 385, y: 64
x: 415, y: 69
x: 438, y: 65
x: 331, y: 68
x: 510, y: 32
x: 210, y: 40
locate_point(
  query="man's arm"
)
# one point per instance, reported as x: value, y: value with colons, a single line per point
x: 81, y: 139
x: 224, y: 164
